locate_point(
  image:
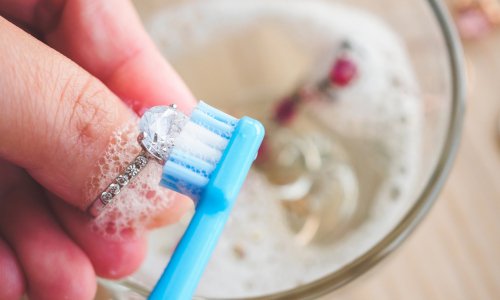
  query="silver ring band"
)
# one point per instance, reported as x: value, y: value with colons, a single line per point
x: 113, y: 189
x: 159, y: 126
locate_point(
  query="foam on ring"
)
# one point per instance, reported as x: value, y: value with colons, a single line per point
x: 140, y: 201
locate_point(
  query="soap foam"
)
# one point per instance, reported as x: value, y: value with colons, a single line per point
x: 132, y: 210
x: 380, y: 113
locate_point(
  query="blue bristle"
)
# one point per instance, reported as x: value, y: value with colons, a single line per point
x: 217, y: 114
x: 191, y: 162
x: 186, y: 173
x: 214, y: 125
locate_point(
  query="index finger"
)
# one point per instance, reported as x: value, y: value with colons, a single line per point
x: 107, y: 39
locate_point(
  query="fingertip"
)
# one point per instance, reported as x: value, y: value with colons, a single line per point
x: 71, y: 276
x: 111, y: 258
x: 181, y: 205
x: 116, y: 260
x: 147, y: 80
x: 12, y: 284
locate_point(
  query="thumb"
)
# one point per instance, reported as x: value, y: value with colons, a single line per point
x: 58, y: 121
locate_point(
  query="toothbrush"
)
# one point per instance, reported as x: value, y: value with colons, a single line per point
x: 209, y: 163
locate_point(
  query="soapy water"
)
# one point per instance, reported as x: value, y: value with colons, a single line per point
x: 132, y: 210
x: 376, y: 122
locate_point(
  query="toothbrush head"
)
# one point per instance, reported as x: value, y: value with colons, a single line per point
x: 200, y: 147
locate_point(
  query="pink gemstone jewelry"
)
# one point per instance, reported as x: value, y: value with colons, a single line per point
x: 342, y: 74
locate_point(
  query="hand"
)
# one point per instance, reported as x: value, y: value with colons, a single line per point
x: 61, y: 98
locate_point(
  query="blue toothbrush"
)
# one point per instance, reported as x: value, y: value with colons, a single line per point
x: 209, y: 163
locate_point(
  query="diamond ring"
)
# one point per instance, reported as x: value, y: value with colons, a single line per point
x: 159, y: 126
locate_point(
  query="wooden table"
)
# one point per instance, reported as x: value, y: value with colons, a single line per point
x: 455, y: 252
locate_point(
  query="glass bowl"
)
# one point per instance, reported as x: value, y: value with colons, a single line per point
x: 360, y: 102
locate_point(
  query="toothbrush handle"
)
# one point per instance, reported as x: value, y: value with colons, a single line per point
x: 188, y: 262
x: 186, y: 266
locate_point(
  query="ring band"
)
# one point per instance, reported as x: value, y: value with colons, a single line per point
x: 159, y: 126
x: 122, y: 180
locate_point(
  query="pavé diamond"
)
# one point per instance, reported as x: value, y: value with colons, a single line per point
x: 114, y: 188
x: 106, y: 197
x: 122, y: 180
x: 141, y: 161
x: 131, y: 171
x: 159, y: 126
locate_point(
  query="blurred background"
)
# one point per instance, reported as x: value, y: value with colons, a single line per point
x: 455, y: 252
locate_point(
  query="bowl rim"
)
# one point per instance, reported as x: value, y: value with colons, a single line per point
x: 427, y: 197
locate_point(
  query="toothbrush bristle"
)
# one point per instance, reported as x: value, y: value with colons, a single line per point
x: 197, y: 150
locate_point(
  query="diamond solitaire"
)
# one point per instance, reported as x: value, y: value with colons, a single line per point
x: 159, y: 127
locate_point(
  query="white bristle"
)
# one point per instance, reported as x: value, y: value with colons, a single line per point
x: 197, y: 150
x: 189, y: 144
x: 205, y: 136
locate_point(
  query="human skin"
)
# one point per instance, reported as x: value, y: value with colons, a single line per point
x: 72, y: 72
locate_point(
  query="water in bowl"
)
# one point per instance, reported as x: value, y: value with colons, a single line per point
x: 337, y: 170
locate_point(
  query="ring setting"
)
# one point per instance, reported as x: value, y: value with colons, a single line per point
x: 158, y: 126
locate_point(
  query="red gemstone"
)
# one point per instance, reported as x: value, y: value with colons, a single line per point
x: 285, y: 111
x: 343, y: 72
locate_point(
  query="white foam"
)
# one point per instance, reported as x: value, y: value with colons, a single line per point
x: 380, y: 114
x: 141, y: 200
